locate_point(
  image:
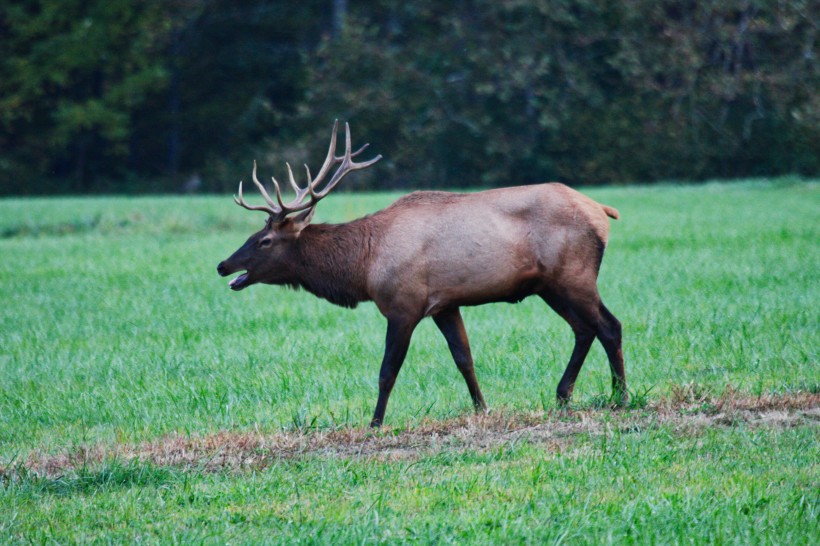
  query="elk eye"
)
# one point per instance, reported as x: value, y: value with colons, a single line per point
x: 265, y: 242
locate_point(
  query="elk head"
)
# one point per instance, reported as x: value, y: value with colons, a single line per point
x: 268, y: 255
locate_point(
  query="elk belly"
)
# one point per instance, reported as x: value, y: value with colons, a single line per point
x: 466, y: 285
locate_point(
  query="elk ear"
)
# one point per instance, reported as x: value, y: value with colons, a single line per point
x: 301, y: 220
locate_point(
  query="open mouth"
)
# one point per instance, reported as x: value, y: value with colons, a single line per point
x: 239, y: 282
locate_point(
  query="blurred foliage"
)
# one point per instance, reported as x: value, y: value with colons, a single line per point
x: 184, y: 94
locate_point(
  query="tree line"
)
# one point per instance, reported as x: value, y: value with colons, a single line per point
x: 115, y: 95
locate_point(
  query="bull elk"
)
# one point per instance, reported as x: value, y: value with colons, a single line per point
x: 432, y: 252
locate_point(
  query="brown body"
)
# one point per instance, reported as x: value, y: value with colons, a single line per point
x: 431, y: 253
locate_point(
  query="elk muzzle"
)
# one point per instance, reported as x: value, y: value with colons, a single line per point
x: 225, y: 268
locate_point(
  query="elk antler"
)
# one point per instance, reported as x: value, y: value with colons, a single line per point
x: 279, y: 212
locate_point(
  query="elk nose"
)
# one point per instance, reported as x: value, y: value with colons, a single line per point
x: 221, y: 269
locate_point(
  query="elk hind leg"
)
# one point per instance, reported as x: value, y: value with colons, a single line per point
x: 609, y: 334
x: 584, y: 330
x: 451, y: 325
x: 589, y: 318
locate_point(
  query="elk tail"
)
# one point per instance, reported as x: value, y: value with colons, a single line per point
x: 612, y: 212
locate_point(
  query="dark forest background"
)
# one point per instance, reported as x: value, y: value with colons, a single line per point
x: 172, y: 95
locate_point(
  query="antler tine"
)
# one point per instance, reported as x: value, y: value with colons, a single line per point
x: 360, y: 150
x: 280, y: 211
x: 331, y: 158
x: 300, y: 192
x: 293, y: 184
x: 264, y: 193
x: 297, y: 204
x: 348, y: 143
x: 347, y: 166
x: 278, y: 191
x: 241, y: 202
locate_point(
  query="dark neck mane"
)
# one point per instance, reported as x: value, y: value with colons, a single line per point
x: 332, y: 261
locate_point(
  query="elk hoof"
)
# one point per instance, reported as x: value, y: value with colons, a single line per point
x: 564, y: 397
x: 620, y: 399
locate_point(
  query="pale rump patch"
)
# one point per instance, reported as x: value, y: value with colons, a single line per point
x: 555, y: 430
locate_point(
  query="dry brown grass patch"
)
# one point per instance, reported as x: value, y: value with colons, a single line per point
x: 555, y: 430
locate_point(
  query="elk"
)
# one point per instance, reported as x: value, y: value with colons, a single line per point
x: 431, y: 253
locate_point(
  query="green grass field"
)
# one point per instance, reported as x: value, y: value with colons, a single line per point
x: 143, y: 401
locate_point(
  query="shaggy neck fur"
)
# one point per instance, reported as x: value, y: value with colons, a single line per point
x: 331, y: 261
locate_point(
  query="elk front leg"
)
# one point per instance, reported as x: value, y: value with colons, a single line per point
x: 452, y: 327
x: 399, y: 332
